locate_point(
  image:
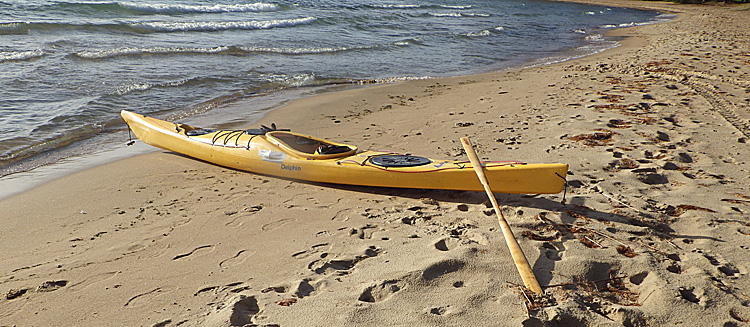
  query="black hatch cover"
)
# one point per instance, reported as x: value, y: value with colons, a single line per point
x: 399, y: 161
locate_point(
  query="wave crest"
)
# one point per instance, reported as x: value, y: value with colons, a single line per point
x: 394, y: 6
x: 182, y: 9
x: 222, y: 26
x: 132, y: 51
x: 233, y: 50
x: 21, y: 55
x: 457, y: 14
x: 145, y: 86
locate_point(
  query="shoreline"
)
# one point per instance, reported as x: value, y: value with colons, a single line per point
x: 652, y: 232
x: 41, y: 173
x: 42, y: 148
x: 24, y: 180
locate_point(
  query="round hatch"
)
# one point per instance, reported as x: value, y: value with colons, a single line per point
x: 399, y: 161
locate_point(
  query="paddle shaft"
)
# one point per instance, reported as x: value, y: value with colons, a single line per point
x: 527, y: 275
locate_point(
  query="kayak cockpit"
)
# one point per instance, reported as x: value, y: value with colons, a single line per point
x: 295, y: 144
x: 309, y: 147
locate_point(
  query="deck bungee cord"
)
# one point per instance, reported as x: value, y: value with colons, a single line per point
x: 459, y: 165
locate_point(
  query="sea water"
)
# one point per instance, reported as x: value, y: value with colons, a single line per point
x: 67, y: 68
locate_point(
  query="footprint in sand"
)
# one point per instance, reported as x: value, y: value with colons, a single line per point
x: 146, y: 248
x: 92, y: 280
x: 238, y: 218
x: 446, y: 244
x: 552, y: 251
x: 239, y: 311
x: 638, y: 278
x: 203, y: 249
x: 689, y: 294
x: 235, y: 287
x: 342, y: 215
x: 14, y: 293
x: 441, y: 268
x: 364, y: 233
x: 303, y: 288
x: 276, y: 224
x: 381, y: 291
x: 674, y: 268
x: 240, y: 257
x: 477, y: 237
x: 52, y: 285
x: 144, y: 298
x: 439, y: 311
x: 340, y: 266
x: 317, y: 248
x: 724, y: 266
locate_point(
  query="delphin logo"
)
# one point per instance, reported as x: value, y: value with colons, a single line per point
x: 291, y: 167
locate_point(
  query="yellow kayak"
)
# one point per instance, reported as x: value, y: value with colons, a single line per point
x: 292, y: 155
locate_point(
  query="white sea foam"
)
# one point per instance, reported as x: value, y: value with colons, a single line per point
x: 390, y: 80
x: 631, y: 24
x: 10, y: 26
x: 489, y: 32
x: 300, y: 80
x: 133, y: 51
x: 293, y: 80
x: 223, y: 26
x: 125, y: 89
x: 296, y: 51
x: 395, y: 6
x: 408, y: 42
x: 140, y: 87
x: 319, y: 50
x: 21, y: 55
x: 178, y: 8
x: 458, y: 14
x: 455, y: 7
x: 453, y: 14
x: 595, y: 38
x: 480, y: 33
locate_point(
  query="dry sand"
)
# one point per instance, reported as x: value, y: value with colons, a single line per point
x: 655, y: 230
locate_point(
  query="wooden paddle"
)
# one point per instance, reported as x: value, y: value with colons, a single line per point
x: 527, y: 275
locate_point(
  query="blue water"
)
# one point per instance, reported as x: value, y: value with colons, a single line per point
x: 68, y: 67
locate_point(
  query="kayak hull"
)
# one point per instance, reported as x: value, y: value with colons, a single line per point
x: 273, y: 153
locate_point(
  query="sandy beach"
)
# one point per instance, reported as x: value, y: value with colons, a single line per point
x: 654, y: 230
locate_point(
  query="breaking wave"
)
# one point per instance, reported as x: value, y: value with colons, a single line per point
x: 228, y: 50
x: 133, y: 51
x: 181, y: 9
x: 21, y: 55
x: 126, y: 7
x: 393, y: 6
x: 457, y: 14
x: 222, y: 26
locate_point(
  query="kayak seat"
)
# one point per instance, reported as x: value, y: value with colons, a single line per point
x: 298, y: 143
x: 310, y: 147
x: 332, y: 149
